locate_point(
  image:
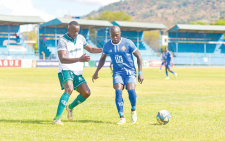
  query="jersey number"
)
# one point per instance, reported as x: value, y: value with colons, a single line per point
x: 118, y: 59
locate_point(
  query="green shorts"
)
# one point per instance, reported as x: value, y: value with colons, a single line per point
x: 67, y: 75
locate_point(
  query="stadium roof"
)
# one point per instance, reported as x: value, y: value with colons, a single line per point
x: 19, y: 20
x: 63, y: 22
x: 198, y: 28
x: 139, y: 26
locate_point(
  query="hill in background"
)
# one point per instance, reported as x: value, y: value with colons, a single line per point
x: 168, y: 12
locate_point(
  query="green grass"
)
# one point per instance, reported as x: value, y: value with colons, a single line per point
x: 196, y: 101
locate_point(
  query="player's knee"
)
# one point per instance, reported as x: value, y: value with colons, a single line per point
x: 86, y: 93
x: 69, y: 90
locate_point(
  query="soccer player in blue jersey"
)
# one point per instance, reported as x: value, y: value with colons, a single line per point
x: 168, y: 63
x: 163, y: 61
x: 120, y: 51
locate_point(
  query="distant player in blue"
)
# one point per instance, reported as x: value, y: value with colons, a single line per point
x: 120, y: 51
x: 163, y: 61
x: 168, y: 63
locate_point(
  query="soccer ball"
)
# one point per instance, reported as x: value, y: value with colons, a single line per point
x: 163, y: 117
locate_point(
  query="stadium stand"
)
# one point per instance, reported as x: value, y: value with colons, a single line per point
x: 50, y: 32
x: 197, y: 44
x: 131, y: 30
x: 12, y: 45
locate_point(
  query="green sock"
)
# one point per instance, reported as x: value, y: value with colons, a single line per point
x: 62, y: 104
x: 57, y: 117
x: 77, y: 101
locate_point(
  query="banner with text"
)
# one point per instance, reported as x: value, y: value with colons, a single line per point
x: 47, y: 63
x: 155, y: 63
x: 10, y: 63
x: 26, y: 63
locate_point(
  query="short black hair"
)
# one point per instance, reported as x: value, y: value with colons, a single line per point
x: 73, y: 23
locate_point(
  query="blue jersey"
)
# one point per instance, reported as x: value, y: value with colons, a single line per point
x: 168, y: 57
x: 121, y: 56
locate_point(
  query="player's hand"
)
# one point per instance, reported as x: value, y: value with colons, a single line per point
x: 140, y: 78
x: 95, y: 76
x: 84, y: 58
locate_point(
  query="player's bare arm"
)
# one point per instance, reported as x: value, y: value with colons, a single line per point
x: 64, y: 60
x: 100, y: 64
x: 139, y: 62
x: 91, y: 49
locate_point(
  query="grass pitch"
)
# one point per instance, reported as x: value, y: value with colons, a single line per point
x: 196, y: 101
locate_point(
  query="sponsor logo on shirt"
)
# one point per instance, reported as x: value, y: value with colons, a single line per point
x: 75, y: 50
x: 123, y: 48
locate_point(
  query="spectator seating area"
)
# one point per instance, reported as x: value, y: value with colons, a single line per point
x: 12, y: 44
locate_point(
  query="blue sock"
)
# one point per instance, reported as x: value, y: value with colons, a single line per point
x: 132, y: 97
x: 167, y: 73
x: 62, y: 104
x: 119, y: 102
x: 172, y: 72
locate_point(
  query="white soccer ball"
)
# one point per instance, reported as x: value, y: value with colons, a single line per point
x: 163, y: 117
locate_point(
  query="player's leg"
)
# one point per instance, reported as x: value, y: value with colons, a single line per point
x: 169, y: 68
x: 119, y: 102
x: 84, y: 94
x: 118, y: 86
x: 133, y: 99
x: 68, y: 86
x: 167, y: 77
x: 66, y: 82
x: 161, y: 66
x: 82, y: 88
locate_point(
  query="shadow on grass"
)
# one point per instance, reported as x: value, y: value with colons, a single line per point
x: 156, y: 124
x: 89, y: 121
x: 26, y: 121
x: 49, y: 121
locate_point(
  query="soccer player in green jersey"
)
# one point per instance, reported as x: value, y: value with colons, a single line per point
x: 71, y: 58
